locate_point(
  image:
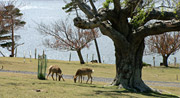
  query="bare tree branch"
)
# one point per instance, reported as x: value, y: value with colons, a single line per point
x: 85, y: 8
x: 93, y: 6
x: 16, y: 45
x: 162, y: 15
x: 5, y: 38
x: 2, y: 54
x: 91, y: 23
x: 65, y: 37
x: 157, y: 28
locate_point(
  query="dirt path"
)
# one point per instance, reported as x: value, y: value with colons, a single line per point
x: 108, y: 80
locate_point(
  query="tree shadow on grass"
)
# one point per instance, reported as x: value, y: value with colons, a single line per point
x: 169, y: 67
x: 113, y: 93
x: 159, y: 95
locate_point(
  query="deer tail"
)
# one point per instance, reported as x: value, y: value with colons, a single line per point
x: 92, y: 70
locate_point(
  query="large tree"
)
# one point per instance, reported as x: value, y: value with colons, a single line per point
x: 164, y: 44
x: 127, y: 23
x: 10, y: 20
x: 67, y: 37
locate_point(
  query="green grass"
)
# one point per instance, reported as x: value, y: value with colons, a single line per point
x: 68, y: 68
x: 25, y: 86
x: 101, y: 70
x: 14, y: 85
x: 169, y: 74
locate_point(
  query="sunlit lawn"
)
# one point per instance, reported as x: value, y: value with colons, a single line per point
x: 171, y: 74
x: 22, y: 86
x: 101, y: 70
x: 68, y: 68
x: 14, y: 85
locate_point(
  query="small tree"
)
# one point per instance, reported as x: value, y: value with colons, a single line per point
x: 71, y: 7
x: 65, y: 37
x: 10, y: 20
x: 164, y: 44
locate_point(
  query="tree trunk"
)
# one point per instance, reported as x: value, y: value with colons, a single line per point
x: 97, y: 49
x: 165, y: 61
x: 80, y: 56
x: 13, y: 43
x: 129, y: 68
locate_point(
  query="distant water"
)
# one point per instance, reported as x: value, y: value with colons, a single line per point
x: 47, y: 11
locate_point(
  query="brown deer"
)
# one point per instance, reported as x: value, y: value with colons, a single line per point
x: 55, y: 69
x: 83, y: 72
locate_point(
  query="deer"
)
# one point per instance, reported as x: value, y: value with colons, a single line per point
x: 94, y: 61
x: 82, y: 72
x: 55, y: 69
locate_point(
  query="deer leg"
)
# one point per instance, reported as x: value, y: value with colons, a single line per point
x: 52, y: 76
x: 48, y: 74
x: 63, y: 79
x: 91, y: 79
x: 56, y: 76
x: 60, y: 78
x: 87, y: 79
x: 81, y: 79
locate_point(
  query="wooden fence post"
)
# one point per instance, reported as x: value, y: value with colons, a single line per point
x: 92, y: 56
x: 169, y: 61
x: 43, y: 53
x: 24, y: 57
x: 87, y: 59
x: 103, y: 59
x: 70, y: 57
x: 16, y: 52
x: 35, y: 53
x: 30, y: 55
x: 154, y: 61
x: 174, y: 61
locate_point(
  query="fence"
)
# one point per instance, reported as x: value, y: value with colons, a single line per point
x: 105, y: 59
x: 174, y: 63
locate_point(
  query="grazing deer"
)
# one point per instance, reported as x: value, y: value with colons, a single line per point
x: 94, y: 61
x: 83, y: 72
x: 55, y: 69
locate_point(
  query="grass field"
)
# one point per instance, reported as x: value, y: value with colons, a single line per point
x: 14, y: 85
